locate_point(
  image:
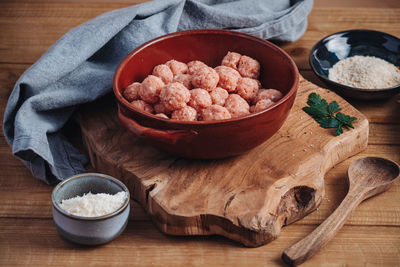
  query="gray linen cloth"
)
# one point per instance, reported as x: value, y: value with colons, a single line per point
x: 79, y: 67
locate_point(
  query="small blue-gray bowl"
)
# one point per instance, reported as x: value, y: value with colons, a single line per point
x: 332, y: 48
x: 89, y: 230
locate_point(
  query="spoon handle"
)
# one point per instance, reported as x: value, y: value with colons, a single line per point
x: 309, y: 246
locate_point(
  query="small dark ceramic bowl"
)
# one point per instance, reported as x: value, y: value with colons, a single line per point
x: 89, y: 230
x: 328, y: 51
x: 207, y: 139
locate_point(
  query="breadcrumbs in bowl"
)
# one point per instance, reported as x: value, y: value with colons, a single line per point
x: 216, y: 132
x: 362, y: 64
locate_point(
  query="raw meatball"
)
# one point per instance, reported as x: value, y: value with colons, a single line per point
x: 185, y: 79
x: 206, y: 78
x: 185, y: 114
x: 218, y: 96
x: 160, y: 108
x: 252, y: 108
x: 150, y: 89
x: 194, y: 66
x: 271, y: 94
x: 247, y: 88
x: 215, y: 112
x: 175, y: 96
x: 177, y: 67
x: 228, y: 78
x: 263, y: 104
x: 199, y: 99
x: 259, y: 84
x: 236, y: 106
x: 162, y: 115
x: 249, y: 67
x: 141, y: 105
x: 132, y: 92
x: 231, y: 60
x: 164, y: 72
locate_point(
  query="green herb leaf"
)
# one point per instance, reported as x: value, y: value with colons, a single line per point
x: 339, y: 130
x: 313, y: 112
x: 325, y: 122
x: 319, y: 105
x: 324, y: 113
x: 333, y: 108
x: 313, y: 99
x: 345, y: 119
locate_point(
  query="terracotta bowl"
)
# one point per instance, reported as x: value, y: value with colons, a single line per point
x: 207, y: 139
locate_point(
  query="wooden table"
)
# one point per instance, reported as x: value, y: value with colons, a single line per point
x: 28, y: 235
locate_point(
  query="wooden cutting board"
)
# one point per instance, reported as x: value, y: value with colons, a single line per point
x: 247, y: 198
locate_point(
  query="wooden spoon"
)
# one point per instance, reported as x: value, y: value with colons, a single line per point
x: 367, y: 177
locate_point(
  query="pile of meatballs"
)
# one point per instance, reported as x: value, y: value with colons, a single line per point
x: 197, y: 92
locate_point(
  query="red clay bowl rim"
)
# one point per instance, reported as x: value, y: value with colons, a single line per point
x: 125, y: 103
x: 343, y: 86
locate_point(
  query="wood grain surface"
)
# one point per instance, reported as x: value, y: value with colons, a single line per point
x: 247, y: 198
x: 28, y: 236
x: 367, y: 177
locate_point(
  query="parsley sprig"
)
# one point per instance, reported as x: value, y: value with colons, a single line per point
x: 324, y: 113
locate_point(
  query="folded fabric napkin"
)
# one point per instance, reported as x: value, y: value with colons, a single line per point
x: 79, y: 67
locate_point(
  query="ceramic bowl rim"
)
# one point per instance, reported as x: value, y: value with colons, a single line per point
x: 95, y: 175
x: 122, y: 101
x: 324, y: 78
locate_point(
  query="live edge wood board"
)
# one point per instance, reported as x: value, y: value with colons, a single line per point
x: 247, y: 198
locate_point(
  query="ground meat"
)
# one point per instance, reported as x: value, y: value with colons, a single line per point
x: 177, y: 67
x: 168, y: 91
x: 199, y: 99
x: 206, y: 78
x: 162, y: 115
x: 160, y: 108
x: 218, y: 96
x: 263, y: 104
x: 237, y: 106
x: 271, y: 94
x: 194, y: 66
x: 164, y: 72
x: 132, y: 92
x: 259, y: 84
x: 142, y: 105
x: 247, y: 88
x: 249, y: 67
x: 228, y: 78
x: 231, y: 60
x: 185, y: 114
x: 185, y: 79
x: 175, y: 96
x: 215, y: 112
x: 251, y: 109
x: 150, y: 89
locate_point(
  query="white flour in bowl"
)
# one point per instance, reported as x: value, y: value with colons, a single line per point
x: 365, y: 72
x: 92, y: 205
